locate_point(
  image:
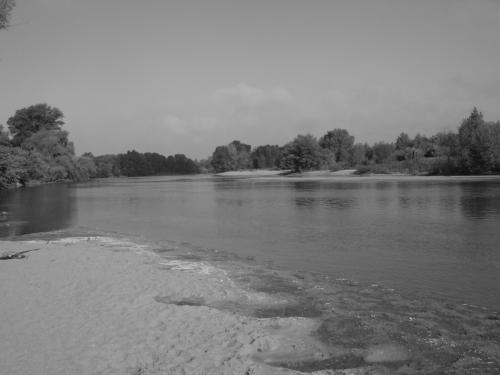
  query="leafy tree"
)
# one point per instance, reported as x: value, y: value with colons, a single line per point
x: 382, y: 152
x: 358, y: 154
x: 235, y: 155
x: 134, y: 164
x: 222, y: 159
x: 425, y: 145
x: 495, y: 135
x: 240, y: 153
x: 266, y: 156
x: 6, y: 7
x: 86, y: 166
x: 303, y: 153
x: 475, y: 141
x: 339, y: 142
x: 107, y: 166
x: 157, y: 162
x: 170, y: 166
x: 403, y: 141
x: 183, y: 165
x: 30, y: 120
x: 205, y: 165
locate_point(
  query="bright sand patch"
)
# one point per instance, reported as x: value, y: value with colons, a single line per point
x: 90, y: 307
x: 101, y: 305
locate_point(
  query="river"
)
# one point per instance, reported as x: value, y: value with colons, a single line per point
x: 434, y: 237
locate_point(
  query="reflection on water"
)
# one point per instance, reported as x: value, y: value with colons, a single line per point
x: 480, y: 200
x: 434, y: 236
x: 36, y: 209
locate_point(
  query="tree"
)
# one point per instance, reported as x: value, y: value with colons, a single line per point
x: 30, y: 120
x: 222, y: 160
x: 6, y: 7
x: 495, y: 132
x: 134, y: 164
x: 404, y: 147
x: 157, y: 162
x: 86, y: 166
x: 339, y: 142
x: 358, y: 154
x: 476, y: 144
x: 107, y: 165
x: 240, y: 153
x: 382, y: 152
x: 403, y: 141
x: 303, y: 153
x: 266, y: 157
x: 235, y: 155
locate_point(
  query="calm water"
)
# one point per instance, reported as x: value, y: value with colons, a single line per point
x: 435, y: 237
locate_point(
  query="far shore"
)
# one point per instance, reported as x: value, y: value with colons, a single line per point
x: 108, y: 305
x: 325, y: 174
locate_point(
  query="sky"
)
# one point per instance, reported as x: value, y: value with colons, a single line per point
x: 184, y: 76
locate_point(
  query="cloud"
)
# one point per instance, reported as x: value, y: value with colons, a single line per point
x: 245, y: 96
x: 174, y: 124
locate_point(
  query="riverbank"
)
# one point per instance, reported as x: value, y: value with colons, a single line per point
x: 101, y: 305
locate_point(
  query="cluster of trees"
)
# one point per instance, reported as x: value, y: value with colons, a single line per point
x: 36, y: 148
x: 238, y: 156
x: 133, y: 164
x: 474, y: 149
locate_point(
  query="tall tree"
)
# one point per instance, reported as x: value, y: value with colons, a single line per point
x: 222, y: 160
x: 382, y: 152
x: 339, y: 142
x: 6, y: 7
x: 303, y: 153
x: 266, y: 156
x: 475, y: 140
x: 30, y: 120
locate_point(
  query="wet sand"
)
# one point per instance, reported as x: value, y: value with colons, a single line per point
x: 102, y: 305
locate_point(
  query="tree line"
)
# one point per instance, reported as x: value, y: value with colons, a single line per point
x: 473, y: 149
x: 34, y: 147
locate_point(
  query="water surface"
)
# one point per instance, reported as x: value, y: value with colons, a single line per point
x: 436, y: 237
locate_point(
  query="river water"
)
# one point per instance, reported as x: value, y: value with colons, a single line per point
x: 422, y: 236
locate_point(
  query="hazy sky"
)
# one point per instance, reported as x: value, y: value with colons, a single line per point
x: 186, y: 76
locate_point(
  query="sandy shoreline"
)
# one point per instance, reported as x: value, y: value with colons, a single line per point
x: 101, y: 305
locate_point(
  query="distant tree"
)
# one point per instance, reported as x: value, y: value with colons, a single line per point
x: 266, y: 156
x: 170, y: 166
x: 403, y: 141
x: 303, y: 153
x: 382, y: 152
x: 157, y: 162
x: 134, y: 164
x: 240, y: 153
x: 6, y: 7
x: 86, y: 167
x: 425, y: 145
x: 475, y: 141
x: 495, y: 135
x: 403, y: 147
x: 107, y: 166
x: 184, y: 165
x: 358, y: 154
x: 339, y: 142
x: 205, y: 165
x: 222, y: 160
x: 30, y: 120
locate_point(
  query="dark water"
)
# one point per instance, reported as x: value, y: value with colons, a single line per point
x: 435, y: 237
